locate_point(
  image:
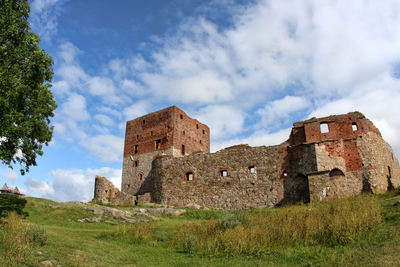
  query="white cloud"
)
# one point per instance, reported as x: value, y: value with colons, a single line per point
x: 281, y: 109
x: 72, y: 184
x: 75, y: 108
x: 41, y: 188
x: 104, y: 119
x: 107, y: 148
x: 10, y: 175
x: 137, y: 109
x: 44, y: 15
x: 104, y: 88
x: 224, y: 121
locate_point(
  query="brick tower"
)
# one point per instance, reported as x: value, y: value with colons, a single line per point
x: 165, y: 132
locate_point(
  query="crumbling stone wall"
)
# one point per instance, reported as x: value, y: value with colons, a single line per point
x: 167, y: 160
x: 106, y: 193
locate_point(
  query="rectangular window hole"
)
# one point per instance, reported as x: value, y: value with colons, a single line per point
x: 324, y: 127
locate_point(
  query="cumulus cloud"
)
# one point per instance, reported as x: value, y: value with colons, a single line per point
x: 224, y: 121
x: 107, y: 148
x: 9, y: 175
x: 72, y: 184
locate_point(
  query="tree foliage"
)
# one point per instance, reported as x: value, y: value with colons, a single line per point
x: 26, y: 102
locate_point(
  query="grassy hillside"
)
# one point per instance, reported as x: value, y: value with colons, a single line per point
x: 359, y: 231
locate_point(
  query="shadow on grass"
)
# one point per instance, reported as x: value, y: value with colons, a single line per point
x: 12, y: 203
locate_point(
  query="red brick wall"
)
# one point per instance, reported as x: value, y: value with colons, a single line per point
x: 190, y: 133
x: 145, y: 130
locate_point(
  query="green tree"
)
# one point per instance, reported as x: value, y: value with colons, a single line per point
x: 26, y: 102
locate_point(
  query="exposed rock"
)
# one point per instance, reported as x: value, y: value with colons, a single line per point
x: 96, y: 219
x: 94, y: 210
x: 140, y: 210
x: 45, y: 263
x: 118, y: 214
x: 192, y: 206
x: 147, y: 216
x: 166, y: 211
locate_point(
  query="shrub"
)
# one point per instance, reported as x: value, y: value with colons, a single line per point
x: 16, y: 241
x: 37, y: 236
x: 334, y: 223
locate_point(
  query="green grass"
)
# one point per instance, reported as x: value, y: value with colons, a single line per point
x: 359, y: 231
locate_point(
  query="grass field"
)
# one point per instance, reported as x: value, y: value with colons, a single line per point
x: 359, y: 231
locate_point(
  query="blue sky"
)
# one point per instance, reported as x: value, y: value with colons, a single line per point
x: 248, y: 69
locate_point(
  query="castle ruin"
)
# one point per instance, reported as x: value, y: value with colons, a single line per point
x: 167, y: 158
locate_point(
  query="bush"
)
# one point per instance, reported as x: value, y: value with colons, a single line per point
x: 12, y: 203
x: 17, y: 240
x: 328, y: 224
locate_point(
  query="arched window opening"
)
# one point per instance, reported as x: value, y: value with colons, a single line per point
x: 354, y: 126
x: 324, y: 127
x: 158, y: 144
x: 335, y: 173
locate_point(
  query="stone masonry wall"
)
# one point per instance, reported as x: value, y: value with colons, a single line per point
x: 252, y: 178
x: 106, y: 193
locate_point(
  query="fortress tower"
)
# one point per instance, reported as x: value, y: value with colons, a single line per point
x: 165, y: 132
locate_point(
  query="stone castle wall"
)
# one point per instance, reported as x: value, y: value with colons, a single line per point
x: 324, y: 158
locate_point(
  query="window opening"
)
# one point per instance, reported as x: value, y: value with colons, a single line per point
x: 201, y: 142
x: 354, y: 126
x: 136, y: 163
x: 183, y: 149
x: 197, y: 126
x: 324, y: 127
x: 223, y: 173
x: 189, y: 176
x: 184, y: 132
x: 140, y: 176
x: 204, y: 132
x: 106, y: 191
x: 158, y: 144
x: 137, y: 137
x: 144, y: 121
x: 136, y: 149
x: 181, y: 117
x: 128, y: 186
x: 252, y: 169
x: 151, y: 133
x: 285, y: 174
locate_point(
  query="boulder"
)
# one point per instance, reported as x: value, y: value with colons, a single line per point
x: 147, y: 216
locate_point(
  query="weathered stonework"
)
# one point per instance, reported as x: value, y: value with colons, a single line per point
x: 106, y: 193
x: 325, y: 158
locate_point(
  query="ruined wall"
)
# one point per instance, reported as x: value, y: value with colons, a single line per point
x: 106, y: 193
x: 159, y: 133
x: 252, y: 178
x: 323, y: 159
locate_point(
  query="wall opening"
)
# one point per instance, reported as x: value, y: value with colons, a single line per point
x: 390, y: 186
x: 136, y: 149
x: 197, y: 126
x: 297, y: 189
x: 136, y: 163
x: 140, y: 176
x: 189, y: 176
x: 354, y: 126
x: 252, y: 169
x: 151, y: 133
x: 184, y: 132
x: 223, y: 173
x: 204, y: 132
x: 183, y: 150
x: 336, y: 182
x: 158, y: 144
x: 181, y: 117
x: 201, y: 142
x: 324, y: 127
x: 144, y: 121
x: 284, y: 173
x: 137, y: 137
